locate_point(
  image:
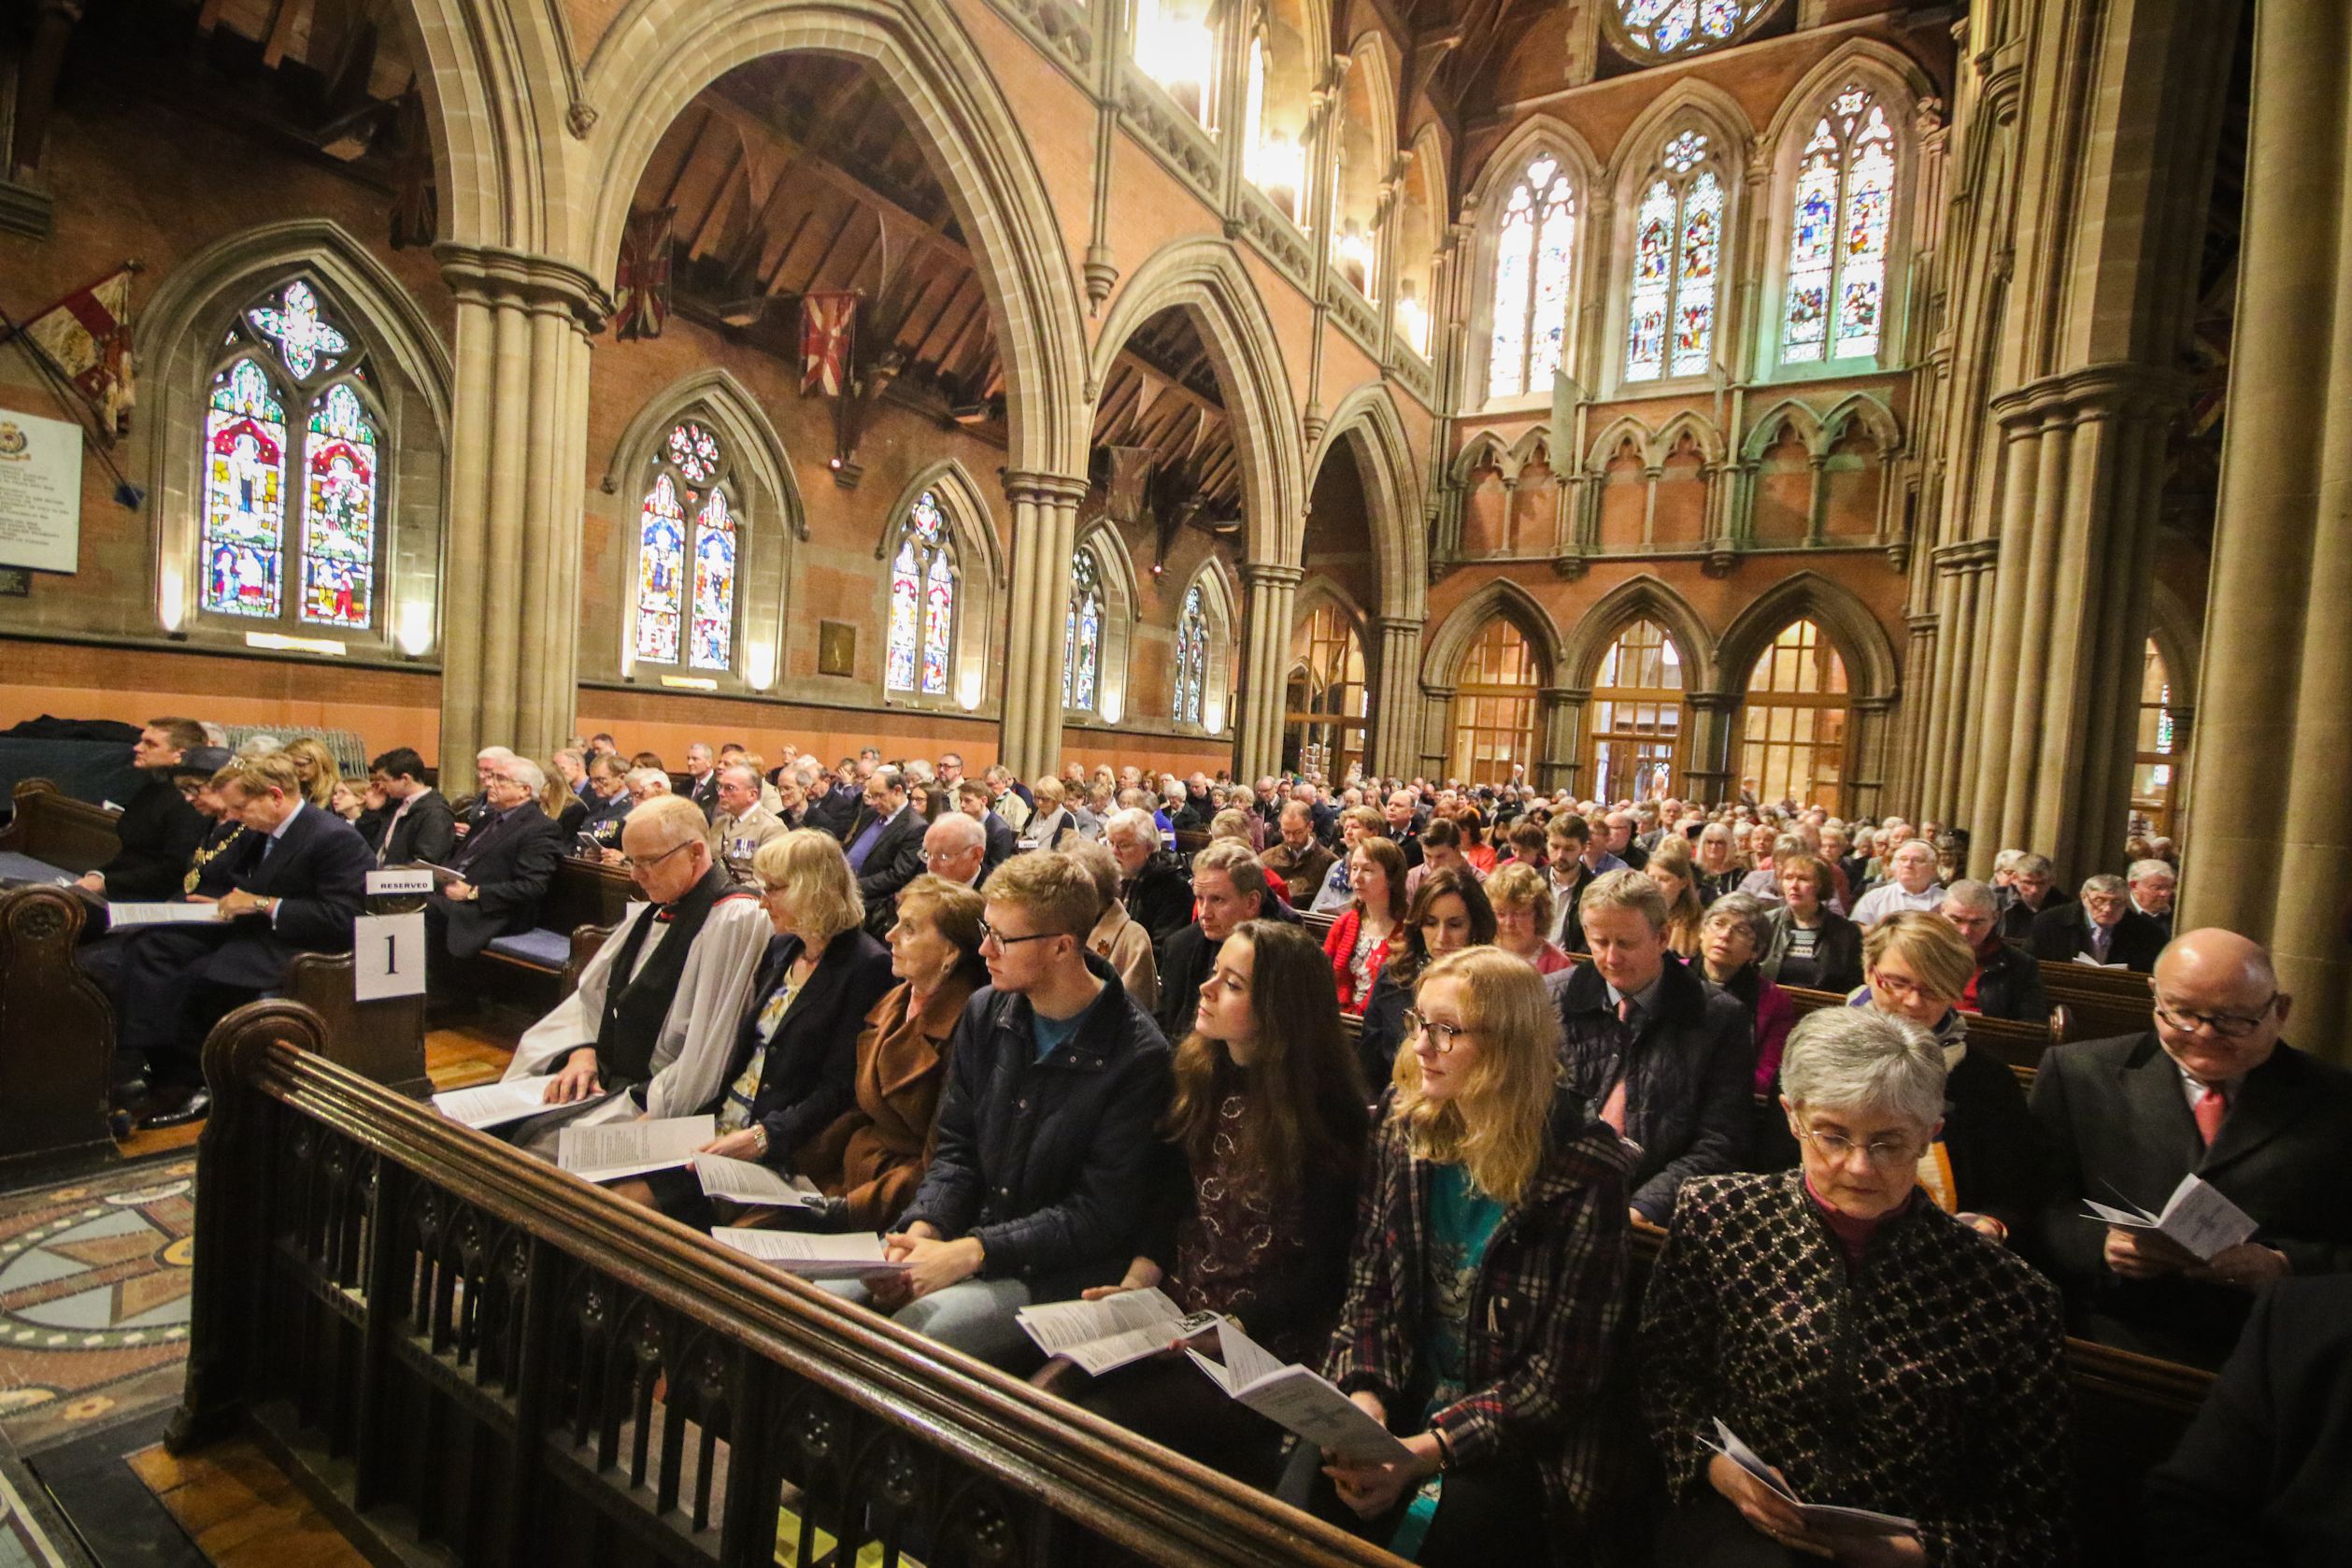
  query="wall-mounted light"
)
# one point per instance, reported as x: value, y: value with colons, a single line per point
x: 171, y: 596
x: 283, y: 644
x: 1113, y: 706
x: 1277, y: 167
x: 1212, y: 714
x: 415, y: 632
x: 1413, y: 322
x: 759, y: 666
x: 969, y: 687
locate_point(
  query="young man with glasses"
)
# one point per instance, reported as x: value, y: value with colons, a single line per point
x: 1047, y: 1152
x: 2211, y: 1089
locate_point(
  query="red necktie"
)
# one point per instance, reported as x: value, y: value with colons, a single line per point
x: 2210, y: 1110
x: 1613, y: 1109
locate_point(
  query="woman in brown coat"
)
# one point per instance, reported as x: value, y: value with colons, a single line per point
x: 872, y: 1157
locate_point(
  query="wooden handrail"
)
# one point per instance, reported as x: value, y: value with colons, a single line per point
x: 371, y: 1270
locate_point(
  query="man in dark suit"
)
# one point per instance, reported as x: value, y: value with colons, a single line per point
x: 415, y: 823
x: 2008, y: 982
x: 504, y: 868
x: 702, y: 780
x: 299, y: 888
x: 1404, y: 824
x: 2210, y: 1090
x: 2152, y: 883
x: 1230, y: 886
x: 835, y: 801
x: 972, y: 797
x: 1155, y: 886
x: 2104, y: 926
x: 158, y: 829
x: 2259, y: 1479
x: 2035, y: 892
x: 474, y: 809
x: 886, y: 846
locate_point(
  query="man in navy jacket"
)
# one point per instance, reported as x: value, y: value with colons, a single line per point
x: 299, y: 884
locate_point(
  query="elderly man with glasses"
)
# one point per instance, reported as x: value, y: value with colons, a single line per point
x: 2210, y: 1090
x: 651, y: 1026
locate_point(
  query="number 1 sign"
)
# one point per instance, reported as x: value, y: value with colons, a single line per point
x: 388, y: 956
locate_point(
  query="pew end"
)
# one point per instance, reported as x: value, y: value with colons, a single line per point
x: 383, y: 1040
x: 56, y: 1038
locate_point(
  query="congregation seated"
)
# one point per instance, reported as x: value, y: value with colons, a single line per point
x: 1810, y: 945
x: 1296, y: 859
x: 1521, y: 898
x: 2102, y: 927
x: 2152, y: 883
x: 609, y: 803
x: 1718, y: 868
x: 1902, y: 1365
x: 870, y: 1157
x: 1666, y: 1062
x: 1732, y: 934
x: 1153, y: 883
x: 792, y: 1072
x: 1369, y: 929
x: 885, y: 845
x: 1044, y: 1157
x: 1484, y: 1314
x: 158, y: 829
x: 1443, y: 848
x: 1118, y: 938
x: 740, y: 824
x: 1669, y: 865
x: 651, y: 1025
x: 956, y: 849
x: 296, y: 886
x: 1910, y: 883
x: 1449, y: 912
x: 2212, y: 1090
x: 972, y: 799
x: 1575, y: 865
x: 503, y: 869
x: 2258, y: 1479
x: 1229, y: 887
x: 2033, y: 892
x: 1268, y: 1118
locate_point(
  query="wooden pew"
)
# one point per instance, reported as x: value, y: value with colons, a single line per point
x: 57, y: 830
x: 56, y: 1036
x: 582, y: 893
x: 2019, y: 1045
x: 2098, y: 1003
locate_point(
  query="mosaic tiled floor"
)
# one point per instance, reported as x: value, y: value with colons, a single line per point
x: 94, y: 1300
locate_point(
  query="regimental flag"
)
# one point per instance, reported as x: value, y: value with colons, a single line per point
x: 641, y: 281
x: 87, y: 334
x: 1126, y: 478
x: 826, y: 320
x: 416, y: 211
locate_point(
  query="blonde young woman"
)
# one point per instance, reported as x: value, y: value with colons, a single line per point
x: 1669, y: 866
x: 317, y: 768
x: 1487, y: 1175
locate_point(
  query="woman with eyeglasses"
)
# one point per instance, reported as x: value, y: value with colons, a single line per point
x: 1984, y: 1164
x: 794, y: 1070
x: 1810, y: 945
x: 1449, y: 912
x: 1481, y: 1322
x: 1719, y: 871
x: 1902, y: 1366
x: 1268, y: 1122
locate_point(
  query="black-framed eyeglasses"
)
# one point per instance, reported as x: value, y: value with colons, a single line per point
x: 2230, y: 1026
x: 649, y: 863
x: 1443, y: 1037
x: 989, y: 933
x: 1836, y: 1147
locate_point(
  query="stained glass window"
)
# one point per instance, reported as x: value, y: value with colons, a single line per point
x: 714, y: 584
x: 245, y: 496
x: 338, y: 527
x: 661, y: 571
x: 920, y: 648
x: 1191, y: 658
x: 1534, y: 265
x: 1678, y: 253
x: 1838, y: 234
x: 690, y: 555
x: 1082, y: 636
x: 1649, y: 29
x: 287, y: 355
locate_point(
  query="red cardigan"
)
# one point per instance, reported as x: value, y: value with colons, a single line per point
x: 1341, y: 948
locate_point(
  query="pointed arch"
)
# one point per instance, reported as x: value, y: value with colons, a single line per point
x: 1871, y: 664
x: 729, y: 405
x: 657, y: 54
x: 1541, y: 302
x: 1327, y: 671
x: 1880, y: 64
x: 1535, y: 445
x: 1220, y: 604
x: 1612, y: 435
x: 1642, y: 597
x: 1114, y: 575
x: 974, y: 562
x: 180, y: 334
x: 498, y: 87
x: 1795, y: 414
x: 1441, y: 663
x: 1678, y: 177
x: 1703, y: 431
x: 1484, y: 449
x: 1366, y: 156
x: 1207, y: 277
x: 1422, y: 208
x: 1864, y: 412
x: 1367, y: 420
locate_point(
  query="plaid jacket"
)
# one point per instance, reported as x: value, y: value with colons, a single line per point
x: 1545, y: 1314
x: 1928, y: 1382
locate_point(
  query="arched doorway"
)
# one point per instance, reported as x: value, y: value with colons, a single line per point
x: 1794, y: 726
x: 2154, y: 761
x: 1323, y: 701
x: 1494, y: 708
x: 1637, y: 717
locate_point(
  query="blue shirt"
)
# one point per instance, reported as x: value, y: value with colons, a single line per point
x: 1053, y: 1034
x: 864, y: 845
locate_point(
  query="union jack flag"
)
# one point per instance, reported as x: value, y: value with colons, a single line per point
x: 825, y: 322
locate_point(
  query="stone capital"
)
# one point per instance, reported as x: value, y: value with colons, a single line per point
x: 1400, y: 625
x: 1044, y: 490
x: 496, y: 276
x: 1967, y: 555
x: 1266, y: 574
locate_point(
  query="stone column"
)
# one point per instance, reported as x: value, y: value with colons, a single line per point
x: 1558, y: 729
x: 1396, y: 719
x: 1706, y: 774
x: 1045, y: 538
x: 2274, y: 692
x: 1270, y: 591
x: 1953, y: 676
x: 1437, y: 731
x: 510, y: 573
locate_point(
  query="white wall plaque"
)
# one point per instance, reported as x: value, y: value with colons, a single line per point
x: 40, y: 492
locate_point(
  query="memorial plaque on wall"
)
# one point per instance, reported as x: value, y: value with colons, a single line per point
x: 40, y: 492
x: 837, y: 648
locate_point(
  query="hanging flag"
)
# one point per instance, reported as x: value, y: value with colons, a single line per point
x: 641, y: 281
x: 87, y: 334
x: 1127, y: 472
x: 825, y: 322
x: 416, y: 211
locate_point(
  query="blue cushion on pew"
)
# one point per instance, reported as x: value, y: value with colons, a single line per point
x: 24, y: 868
x: 542, y: 949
